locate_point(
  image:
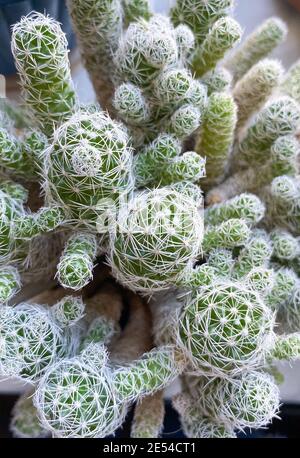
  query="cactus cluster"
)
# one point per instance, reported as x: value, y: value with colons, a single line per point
x: 173, y: 200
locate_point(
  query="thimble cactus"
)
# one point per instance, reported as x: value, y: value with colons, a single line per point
x: 250, y: 400
x: 257, y: 46
x: 216, y: 136
x: 75, y: 268
x: 157, y: 235
x: 222, y: 36
x: 89, y: 160
x: 222, y: 282
x: 40, y: 50
x: 80, y: 397
x: 34, y: 336
x: 10, y: 283
x: 225, y: 329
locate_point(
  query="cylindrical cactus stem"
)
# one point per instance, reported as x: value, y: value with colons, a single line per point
x: 98, y: 26
x: 256, y: 253
x: 40, y: 51
x: 218, y: 80
x: 152, y: 372
x: 280, y: 117
x: 24, y: 421
x: 199, y: 16
x: 75, y: 267
x: 185, y: 40
x: 258, y: 45
x: 136, y: 9
x: 283, y: 199
x: 255, y: 87
x: 146, y: 48
x: 291, y: 82
x: 21, y: 157
x: 148, y: 418
x: 286, y: 247
x: 229, y: 234
x: 287, y: 347
x: 289, y: 313
x: 45, y: 220
x: 131, y: 104
x: 189, y: 167
x: 216, y: 136
x: 184, y: 121
x: 245, y: 206
x: 169, y: 238
x: 283, y: 161
x: 10, y: 283
x: 284, y: 156
x: 285, y: 280
x: 159, y: 164
x: 176, y: 87
x: 250, y: 400
x: 222, y: 37
x: 224, y: 329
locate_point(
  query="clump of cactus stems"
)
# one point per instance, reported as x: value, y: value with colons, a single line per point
x: 186, y: 180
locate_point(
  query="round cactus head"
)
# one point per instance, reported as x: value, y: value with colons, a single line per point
x: 251, y: 400
x: 89, y: 161
x: 225, y: 328
x: 75, y: 398
x: 158, y: 234
x: 30, y: 340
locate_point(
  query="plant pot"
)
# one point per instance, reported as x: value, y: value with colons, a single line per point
x: 11, y: 12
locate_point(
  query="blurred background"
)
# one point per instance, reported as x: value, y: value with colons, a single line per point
x: 249, y: 13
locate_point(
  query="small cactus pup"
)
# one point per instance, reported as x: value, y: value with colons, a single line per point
x: 283, y: 160
x: 156, y: 93
x: 18, y: 226
x: 75, y: 267
x: 160, y: 164
x: 24, y: 421
x: 158, y: 234
x: 10, y: 283
x: 224, y: 329
x: 85, y: 396
x: 278, y: 118
x: 224, y: 34
x: 200, y: 15
x: 34, y: 336
x: 21, y: 157
x: 98, y: 26
x: 40, y: 50
x: 88, y: 167
x: 250, y: 400
x: 283, y: 201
